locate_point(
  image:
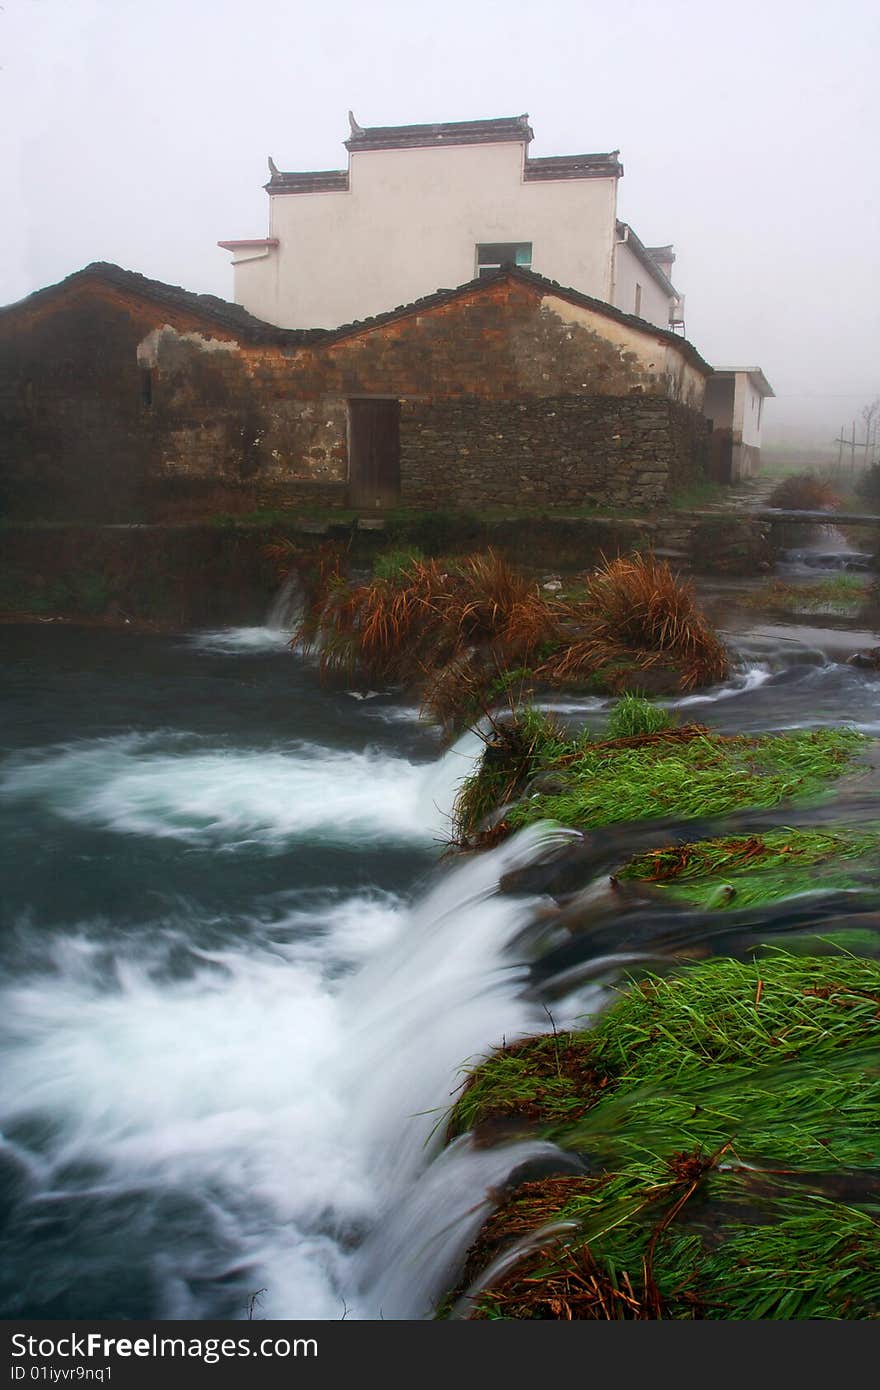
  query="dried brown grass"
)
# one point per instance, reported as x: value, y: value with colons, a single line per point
x: 635, y: 608
x: 426, y: 616
x: 808, y: 492
x: 451, y: 628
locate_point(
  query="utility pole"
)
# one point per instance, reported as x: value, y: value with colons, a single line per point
x: 851, y: 444
x: 852, y: 457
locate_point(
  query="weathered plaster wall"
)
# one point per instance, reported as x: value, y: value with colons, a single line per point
x: 657, y: 365
x: 750, y: 402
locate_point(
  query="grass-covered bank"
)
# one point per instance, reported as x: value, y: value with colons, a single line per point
x: 845, y: 595
x: 645, y: 767
x: 726, y: 1115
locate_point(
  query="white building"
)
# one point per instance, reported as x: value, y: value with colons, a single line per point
x: 734, y: 402
x: 425, y: 207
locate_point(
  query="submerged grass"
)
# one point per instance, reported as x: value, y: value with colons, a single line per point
x: 730, y: 1114
x: 751, y: 870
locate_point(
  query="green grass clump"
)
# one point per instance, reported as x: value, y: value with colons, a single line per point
x: 633, y: 714
x: 730, y: 1115
x: 708, y: 1014
x: 547, y: 1079
x: 395, y: 564
x: 702, y: 775
x: 753, y: 869
x: 517, y: 749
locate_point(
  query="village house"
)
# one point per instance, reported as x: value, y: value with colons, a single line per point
x: 734, y: 403
x: 422, y: 206
x: 125, y: 398
x: 552, y: 373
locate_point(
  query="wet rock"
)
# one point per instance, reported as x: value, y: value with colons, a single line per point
x: 562, y: 871
x: 547, y: 784
x: 867, y: 660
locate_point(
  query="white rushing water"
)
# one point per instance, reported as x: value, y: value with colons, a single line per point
x: 291, y: 1084
x: 273, y: 634
x: 187, y: 789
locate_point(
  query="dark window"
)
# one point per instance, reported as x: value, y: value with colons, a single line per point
x: 494, y: 255
x: 146, y: 387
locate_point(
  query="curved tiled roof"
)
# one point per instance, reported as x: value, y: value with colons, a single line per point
x: 310, y: 181
x: 205, y: 306
x: 238, y: 321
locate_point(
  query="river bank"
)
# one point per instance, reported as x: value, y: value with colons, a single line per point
x: 210, y: 572
x: 244, y: 981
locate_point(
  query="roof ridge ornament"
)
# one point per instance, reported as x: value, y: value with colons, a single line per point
x: 273, y: 167
x: 355, y: 128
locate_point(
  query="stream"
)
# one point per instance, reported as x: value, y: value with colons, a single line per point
x: 240, y: 981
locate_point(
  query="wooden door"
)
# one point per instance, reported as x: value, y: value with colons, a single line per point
x: 721, y: 456
x: 374, y: 453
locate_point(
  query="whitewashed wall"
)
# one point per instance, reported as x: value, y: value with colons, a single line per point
x: 409, y: 225
x: 629, y: 271
x: 748, y: 411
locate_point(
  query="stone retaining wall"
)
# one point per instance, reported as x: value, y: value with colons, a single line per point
x: 556, y: 452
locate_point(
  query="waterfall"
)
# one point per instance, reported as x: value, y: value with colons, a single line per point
x: 282, y: 616
x: 262, y: 1092
x: 285, y: 610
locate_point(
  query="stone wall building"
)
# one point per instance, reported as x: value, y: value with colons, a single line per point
x: 122, y: 398
x: 76, y: 434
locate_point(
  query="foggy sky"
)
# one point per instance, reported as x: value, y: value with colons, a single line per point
x: 137, y: 131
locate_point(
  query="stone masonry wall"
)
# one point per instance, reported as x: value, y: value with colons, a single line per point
x: 116, y: 409
x: 557, y: 452
x: 502, y: 400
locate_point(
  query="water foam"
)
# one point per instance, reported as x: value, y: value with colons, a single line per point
x: 239, y: 641
x: 177, y: 787
x: 752, y: 678
x: 274, y: 634
x: 296, y: 1106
